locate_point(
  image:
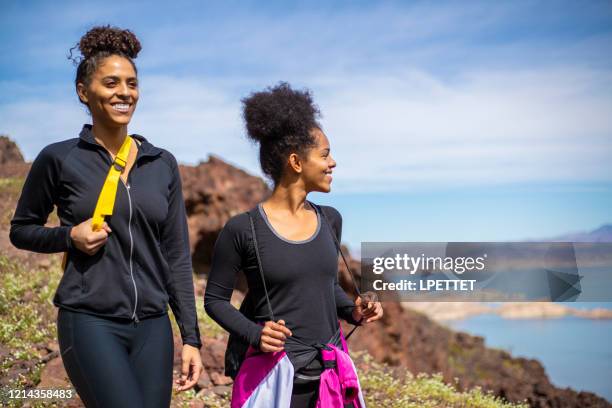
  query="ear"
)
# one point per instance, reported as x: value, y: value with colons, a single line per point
x: 295, y: 162
x: 82, y: 93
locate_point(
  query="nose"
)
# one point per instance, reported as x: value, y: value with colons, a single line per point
x: 332, y: 164
x: 123, y: 90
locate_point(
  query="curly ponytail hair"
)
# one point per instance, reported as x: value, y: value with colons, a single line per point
x: 281, y: 119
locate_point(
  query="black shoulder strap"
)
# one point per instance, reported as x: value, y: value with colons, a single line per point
x: 259, y: 265
x: 338, y: 246
x: 343, y: 258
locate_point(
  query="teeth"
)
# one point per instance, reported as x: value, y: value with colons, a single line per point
x: 121, y: 107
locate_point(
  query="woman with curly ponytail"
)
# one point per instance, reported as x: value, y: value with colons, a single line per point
x: 288, y: 248
x: 123, y: 231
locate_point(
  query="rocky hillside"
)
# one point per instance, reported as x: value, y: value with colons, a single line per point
x: 404, y: 342
x: 214, y: 191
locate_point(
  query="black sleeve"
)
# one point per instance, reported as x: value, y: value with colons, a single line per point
x: 38, y: 196
x: 175, y: 247
x: 344, y: 305
x: 226, y: 264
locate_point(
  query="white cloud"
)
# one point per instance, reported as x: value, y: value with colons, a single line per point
x: 412, y: 129
x: 406, y: 131
x: 34, y: 123
x: 412, y: 97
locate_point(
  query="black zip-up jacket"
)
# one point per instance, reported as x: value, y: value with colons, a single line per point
x: 145, y: 263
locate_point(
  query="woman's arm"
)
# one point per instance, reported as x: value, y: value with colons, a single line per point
x: 226, y: 264
x: 38, y: 196
x: 175, y: 247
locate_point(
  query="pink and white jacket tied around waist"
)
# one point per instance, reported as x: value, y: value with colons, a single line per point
x: 266, y: 380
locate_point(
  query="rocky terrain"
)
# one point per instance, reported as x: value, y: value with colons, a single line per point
x: 214, y: 191
x: 405, y: 340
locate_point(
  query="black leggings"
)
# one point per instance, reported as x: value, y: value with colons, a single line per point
x: 114, y: 363
x: 306, y: 394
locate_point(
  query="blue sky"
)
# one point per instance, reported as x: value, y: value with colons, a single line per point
x: 449, y: 121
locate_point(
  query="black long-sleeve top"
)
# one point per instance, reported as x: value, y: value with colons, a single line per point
x: 301, y: 278
x: 145, y: 264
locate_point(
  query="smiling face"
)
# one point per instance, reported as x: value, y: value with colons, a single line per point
x: 112, y: 92
x: 318, y: 165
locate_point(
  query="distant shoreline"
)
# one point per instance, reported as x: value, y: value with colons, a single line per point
x: 445, y: 311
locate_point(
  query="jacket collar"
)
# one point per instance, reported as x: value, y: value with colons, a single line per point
x: 144, y: 149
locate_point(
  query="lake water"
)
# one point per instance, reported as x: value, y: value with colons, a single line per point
x: 575, y: 352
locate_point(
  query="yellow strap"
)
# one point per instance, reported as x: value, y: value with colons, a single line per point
x: 106, y: 199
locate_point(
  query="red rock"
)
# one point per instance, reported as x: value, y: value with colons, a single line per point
x: 53, y: 376
x: 214, y: 191
x: 9, y: 152
x: 204, y: 380
x: 220, y: 379
x: 222, y: 390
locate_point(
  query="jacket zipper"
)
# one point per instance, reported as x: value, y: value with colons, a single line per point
x: 134, y: 317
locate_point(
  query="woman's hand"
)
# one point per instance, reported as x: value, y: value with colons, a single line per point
x: 89, y: 241
x: 371, y: 311
x: 191, y: 368
x: 273, y: 336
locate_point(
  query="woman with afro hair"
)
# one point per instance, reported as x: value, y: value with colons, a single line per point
x: 287, y: 246
x: 121, y: 272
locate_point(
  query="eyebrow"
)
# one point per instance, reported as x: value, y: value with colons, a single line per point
x: 116, y: 78
x: 327, y: 148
